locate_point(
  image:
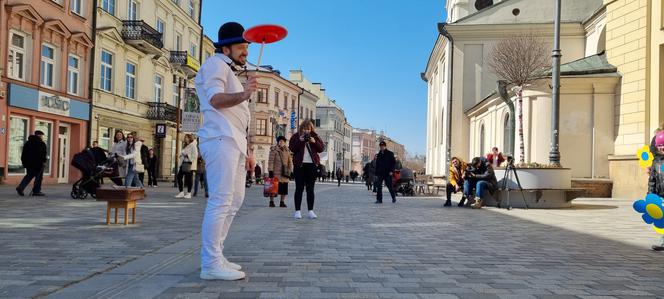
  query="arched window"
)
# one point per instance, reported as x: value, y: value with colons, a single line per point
x: 508, y: 147
x: 482, y: 134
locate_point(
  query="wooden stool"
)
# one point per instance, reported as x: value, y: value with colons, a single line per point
x: 123, y: 198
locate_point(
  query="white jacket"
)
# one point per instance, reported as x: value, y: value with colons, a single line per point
x: 134, y: 157
x: 191, y: 153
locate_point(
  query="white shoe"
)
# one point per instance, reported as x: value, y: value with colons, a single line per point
x: 312, y: 215
x: 297, y: 215
x: 222, y: 274
x: 180, y: 195
x: 233, y: 266
x: 187, y: 195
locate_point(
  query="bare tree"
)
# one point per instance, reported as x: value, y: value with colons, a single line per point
x: 520, y: 60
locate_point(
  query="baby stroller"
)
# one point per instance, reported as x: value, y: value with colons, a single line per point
x: 91, y: 171
x: 405, y: 182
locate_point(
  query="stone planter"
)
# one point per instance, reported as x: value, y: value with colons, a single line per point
x: 543, y: 188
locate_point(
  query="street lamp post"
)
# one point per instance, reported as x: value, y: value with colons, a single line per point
x: 554, y: 155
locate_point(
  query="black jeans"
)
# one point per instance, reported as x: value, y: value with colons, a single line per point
x: 152, y: 176
x: 451, y: 189
x: 141, y: 177
x: 379, y: 187
x: 305, y: 176
x: 32, y: 173
x: 188, y: 180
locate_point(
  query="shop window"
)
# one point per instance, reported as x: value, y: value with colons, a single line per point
x: 73, y: 71
x: 47, y: 66
x: 262, y: 95
x: 17, y: 55
x: 18, y: 135
x: 47, y: 128
x: 105, y: 138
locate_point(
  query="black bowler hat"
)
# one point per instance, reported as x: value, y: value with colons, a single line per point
x: 39, y: 133
x: 229, y: 34
x: 382, y: 143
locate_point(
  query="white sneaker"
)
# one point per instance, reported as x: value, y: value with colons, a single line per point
x: 180, y: 195
x: 222, y: 274
x: 233, y: 266
x: 187, y: 195
x: 297, y: 215
x: 312, y: 215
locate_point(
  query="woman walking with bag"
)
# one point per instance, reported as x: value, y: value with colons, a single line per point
x: 188, y: 160
x: 280, y: 165
x: 305, y: 145
x: 132, y: 158
x: 118, y: 149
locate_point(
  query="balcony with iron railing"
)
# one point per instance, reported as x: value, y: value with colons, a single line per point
x: 142, y: 36
x: 185, y: 62
x: 161, y: 111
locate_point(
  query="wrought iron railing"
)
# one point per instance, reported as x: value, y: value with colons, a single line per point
x: 178, y: 57
x: 161, y: 111
x: 139, y: 30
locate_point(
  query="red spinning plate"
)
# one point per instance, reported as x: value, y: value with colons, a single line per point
x: 265, y: 34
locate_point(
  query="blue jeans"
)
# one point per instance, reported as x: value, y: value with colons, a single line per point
x: 132, y: 177
x: 480, y: 188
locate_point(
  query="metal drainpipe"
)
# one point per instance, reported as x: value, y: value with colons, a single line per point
x: 450, y: 84
x: 91, y: 72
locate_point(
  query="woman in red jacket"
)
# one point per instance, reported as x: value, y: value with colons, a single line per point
x: 305, y: 145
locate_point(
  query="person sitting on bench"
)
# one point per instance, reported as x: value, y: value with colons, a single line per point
x: 455, y: 184
x: 479, y: 176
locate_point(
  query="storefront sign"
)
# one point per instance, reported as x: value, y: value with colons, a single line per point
x: 33, y: 99
x: 53, y: 104
x: 160, y: 131
x: 191, y: 116
x: 293, y: 118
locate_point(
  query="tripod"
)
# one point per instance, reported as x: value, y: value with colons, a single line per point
x: 510, y: 171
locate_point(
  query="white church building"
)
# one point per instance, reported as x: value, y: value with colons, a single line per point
x: 463, y: 103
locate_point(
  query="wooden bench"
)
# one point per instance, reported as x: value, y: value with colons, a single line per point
x: 123, y: 198
x: 438, y: 182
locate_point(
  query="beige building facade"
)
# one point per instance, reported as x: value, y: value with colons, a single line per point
x: 148, y: 53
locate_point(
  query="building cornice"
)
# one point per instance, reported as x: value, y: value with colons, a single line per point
x: 497, y: 31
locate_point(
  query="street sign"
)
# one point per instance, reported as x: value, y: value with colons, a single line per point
x: 160, y: 130
x: 293, y: 119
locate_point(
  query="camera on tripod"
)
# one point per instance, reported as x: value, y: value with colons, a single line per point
x: 510, y: 161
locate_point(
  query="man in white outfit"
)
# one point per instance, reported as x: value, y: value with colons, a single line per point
x: 223, y: 145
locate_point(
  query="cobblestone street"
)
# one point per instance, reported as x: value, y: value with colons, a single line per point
x: 61, y: 248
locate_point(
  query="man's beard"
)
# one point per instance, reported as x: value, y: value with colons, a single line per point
x: 235, y: 61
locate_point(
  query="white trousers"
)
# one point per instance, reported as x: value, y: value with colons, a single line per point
x: 226, y: 174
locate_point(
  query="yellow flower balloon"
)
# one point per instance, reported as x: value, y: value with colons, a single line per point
x: 645, y: 157
x: 658, y: 230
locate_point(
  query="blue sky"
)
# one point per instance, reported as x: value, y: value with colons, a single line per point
x: 367, y: 53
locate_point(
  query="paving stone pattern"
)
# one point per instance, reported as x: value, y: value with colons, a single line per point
x: 61, y: 248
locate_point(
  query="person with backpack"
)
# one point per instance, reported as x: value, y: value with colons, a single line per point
x: 33, y: 159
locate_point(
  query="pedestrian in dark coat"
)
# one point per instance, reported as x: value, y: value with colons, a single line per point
x: 144, y: 160
x: 33, y: 159
x: 385, y: 164
x: 305, y: 146
x: 152, y: 168
x: 369, y: 176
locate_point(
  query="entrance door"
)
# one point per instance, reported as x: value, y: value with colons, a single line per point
x: 63, y: 152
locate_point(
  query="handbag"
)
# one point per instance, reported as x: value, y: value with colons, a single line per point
x: 185, y: 167
x: 271, y: 187
x: 140, y: 168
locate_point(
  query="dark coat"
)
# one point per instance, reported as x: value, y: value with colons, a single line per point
x: 152, y: 163
x: 34, y: 153
x: 99, y: 153
x: 385, y: 163
x: 656, y: 179
x: 145, y: 153
x: 485, y: 173
x: 299, y: 147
